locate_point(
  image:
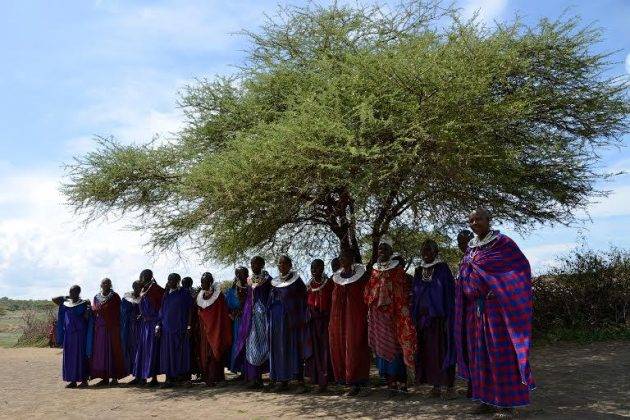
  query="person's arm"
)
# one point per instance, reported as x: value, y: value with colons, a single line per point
x: 58, y: 300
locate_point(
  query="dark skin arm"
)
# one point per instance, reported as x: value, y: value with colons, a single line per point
x: 59, y: 300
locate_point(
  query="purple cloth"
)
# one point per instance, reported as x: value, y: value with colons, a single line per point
x: 254, y: 295
x: 75, y: 332
x: 130, y: 327
x: 147, y: 361
x: 288, y: 335
x: 175, y: 341
x: 493, y: 315
x: 433, y: 303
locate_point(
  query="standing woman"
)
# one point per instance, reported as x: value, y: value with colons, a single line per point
x: 252, y: 341
x: 432, y: 309
x: 174, y: 328
x: 107, y: 356
x: 147, y: 363
x: 287, y: 328
x: 391, y: 333
x: 348, y: 335
x: 236, y: 296
x: 318, y: 367
x: 494, y: 315
x: 130, y: 327
x: 74, y: 332
x: 215, y: 330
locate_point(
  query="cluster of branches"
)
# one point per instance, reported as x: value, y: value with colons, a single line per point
x: 346, y: 123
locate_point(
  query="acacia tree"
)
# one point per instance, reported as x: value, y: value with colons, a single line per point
x: 345, y: 123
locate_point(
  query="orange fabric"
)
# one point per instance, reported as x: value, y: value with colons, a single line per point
x: 389, y: 291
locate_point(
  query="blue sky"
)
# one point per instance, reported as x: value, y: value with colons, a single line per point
x: 89, y: 68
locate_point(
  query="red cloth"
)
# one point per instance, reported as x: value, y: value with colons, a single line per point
x: 155, y: 295
x: 348, y: 333
x: 389, y: 293
x: 215, y: 341
x: 110, y: 313
x: 320, y: 299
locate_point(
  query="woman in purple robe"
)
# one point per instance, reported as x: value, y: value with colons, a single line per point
x: 432, y: 309
x: 147, y: 363
x: 74, y: 333
x: 130, y: 327
x: 251, y: 349
x: 288, y: 339
x: 107, y: 360
x: 174, y: 330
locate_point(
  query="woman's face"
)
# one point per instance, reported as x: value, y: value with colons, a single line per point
x: 384, y: 252
x: 257, y: 265
x: 479, y: 223
x: 206, y: 282
x: 241, y: 275
x: 317, y: 270
x: 284, y: 266
x: 106, y: 286
x: 428, y: 254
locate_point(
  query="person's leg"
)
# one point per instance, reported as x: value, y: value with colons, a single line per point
x: 154, y: 382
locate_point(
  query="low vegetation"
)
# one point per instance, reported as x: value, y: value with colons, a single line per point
x: 586, y: 298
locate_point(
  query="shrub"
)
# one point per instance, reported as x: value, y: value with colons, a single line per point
x: 36, y: 327
x: 588, y: 291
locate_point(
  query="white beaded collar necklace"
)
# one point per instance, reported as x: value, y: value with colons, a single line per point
x: 70, y: 304
x: 284, y: 281
x: 204, y: 303
x: 358, y: 270
x: 386, y: 266
x: 129, y: 298
x: 476, y: 242
x: 321, y: 286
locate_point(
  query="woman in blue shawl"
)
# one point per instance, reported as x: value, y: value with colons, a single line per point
x: 236, y: 296
x: 432, y: 309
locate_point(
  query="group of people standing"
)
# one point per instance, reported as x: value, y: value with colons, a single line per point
x: 421, y: 329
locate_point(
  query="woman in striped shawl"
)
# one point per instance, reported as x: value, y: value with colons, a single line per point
x: 494, y: 315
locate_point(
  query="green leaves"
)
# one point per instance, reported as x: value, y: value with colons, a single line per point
x: 348, y: 122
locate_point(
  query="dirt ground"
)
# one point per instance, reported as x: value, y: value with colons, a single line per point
x: 591, y: 381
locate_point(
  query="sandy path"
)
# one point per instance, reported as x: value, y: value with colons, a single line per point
x: 590, y: 381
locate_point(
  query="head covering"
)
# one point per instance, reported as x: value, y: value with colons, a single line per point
x: 386, y: 240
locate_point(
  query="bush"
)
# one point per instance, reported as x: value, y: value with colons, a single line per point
x: 36, y: 327
x: 589, y: 291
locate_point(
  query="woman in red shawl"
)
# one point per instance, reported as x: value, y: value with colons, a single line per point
x: 494, y: 317
x: 391, y: 333
x: 215, y: 328
x: 319, y: 295
x: 348, y: 326
x: 107, y: 357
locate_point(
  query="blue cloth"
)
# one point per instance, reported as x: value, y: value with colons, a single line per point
x: 129, y: 331
x: 234, y: 304
x: 175, y: 340
x: 436, y: 299
x: 288, y: 339
x: 394, y: 370
x: 75, y: 333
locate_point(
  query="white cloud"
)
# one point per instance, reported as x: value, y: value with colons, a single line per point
x: 487, y: 10
x: 543, y: 257
x: 616, y: 204
x: 43, y: 249
x: 628, y: 64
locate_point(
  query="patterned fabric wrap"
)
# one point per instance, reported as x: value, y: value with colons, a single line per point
x: 494, y: 315
x: 389, y: 291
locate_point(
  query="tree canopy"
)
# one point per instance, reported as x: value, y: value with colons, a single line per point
x: 346, y: 123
